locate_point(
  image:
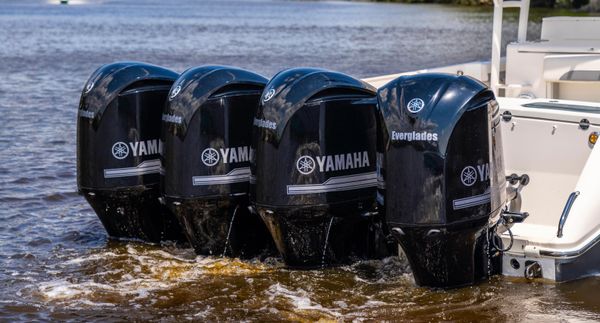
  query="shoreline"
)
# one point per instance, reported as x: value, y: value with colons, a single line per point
x: 577, y: 6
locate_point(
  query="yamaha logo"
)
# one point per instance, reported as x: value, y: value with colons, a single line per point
x: 226, y: 155
x: 89, y: 87
x: 210, y: 156
x: 120, y: 150
x: 468, y: 176
x: 305, y: 165
x: 175, y: 91
x: 269, y: 95
x: 333, y: 163
x: 415, y: 105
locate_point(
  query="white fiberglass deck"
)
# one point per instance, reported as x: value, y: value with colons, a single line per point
x: 544, y: 140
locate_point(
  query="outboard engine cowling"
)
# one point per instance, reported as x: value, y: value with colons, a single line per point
x: 207, y: 127
x: 118, y: 163
x: 443, y: 173
x: 313, y: 172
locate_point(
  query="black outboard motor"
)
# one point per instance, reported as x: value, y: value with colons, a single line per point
x: 443, y: 172
x: 118, y: 162
x: 207, y: 127
x: 314, y: 179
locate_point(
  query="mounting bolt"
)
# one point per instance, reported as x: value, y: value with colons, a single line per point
x: 584, y: 124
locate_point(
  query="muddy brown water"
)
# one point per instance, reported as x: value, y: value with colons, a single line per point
x: 56, y: 262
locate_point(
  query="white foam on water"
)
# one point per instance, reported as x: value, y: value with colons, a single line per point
x: 61, y: 289
x: 142, y: 293
x: 372, y: 303
x: 136, y: 272
x: 203, y: 313
x: 299, y: 299
x: 91, y: 257
x: 361, y: 280
x: 89, y: 303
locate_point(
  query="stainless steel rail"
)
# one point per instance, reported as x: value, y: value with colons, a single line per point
x: 565, y: 213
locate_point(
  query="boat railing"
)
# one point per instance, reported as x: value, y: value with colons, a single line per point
x: 499, y: 6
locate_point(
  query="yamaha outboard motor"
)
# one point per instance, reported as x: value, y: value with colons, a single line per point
x: 314, y: 168
x: 118, y: 147
x: 207, y: 126
x: 443, y: 173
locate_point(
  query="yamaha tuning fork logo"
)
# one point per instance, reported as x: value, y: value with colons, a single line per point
x: 120, y: 150
x: 470, y: 175
x: 174, y: 93
x: 415, y: 105
x: 210, y: 157
x: 305, y: 165
x: 89, y: 87
x: 269, y: 95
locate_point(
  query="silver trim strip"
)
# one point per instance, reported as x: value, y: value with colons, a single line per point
x: 570, y: 253
x: 471, y: 201
x: 237, y: 175
x: 336, y: 184
x: 146, y: 167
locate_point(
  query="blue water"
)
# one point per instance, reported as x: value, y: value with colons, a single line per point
x: 56, y: 262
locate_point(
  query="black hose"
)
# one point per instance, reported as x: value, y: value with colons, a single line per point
x: 495, y: 228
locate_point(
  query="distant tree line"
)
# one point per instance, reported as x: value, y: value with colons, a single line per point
x: 588, y: 5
